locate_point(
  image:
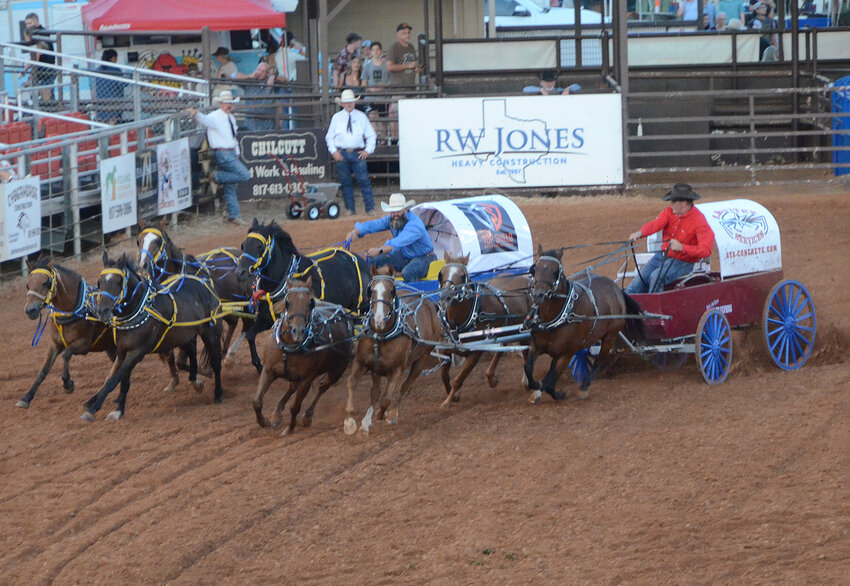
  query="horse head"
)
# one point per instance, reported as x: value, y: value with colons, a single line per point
x: 547, y: 275
x: 298, y: 304
x: 116, y: 285
x: 152, y: 243
x: 382, y: 299
x: 453, y: 280
x: 259, y: 250
x: 41, y: 285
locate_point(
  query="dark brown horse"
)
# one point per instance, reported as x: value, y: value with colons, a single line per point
x: 568, y: 316
x: 160, y: 258
x: 472, y: 305
x: 398, y: 336
x: 147, y: 319
x: 73, y: 329
x: 309, y: 340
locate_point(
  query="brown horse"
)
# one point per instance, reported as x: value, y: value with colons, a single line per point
x: 568, y: 316
x: 160, y: 258
x: 73, y: 331
x: 471, y: 305
x: 395, y: 338
x: 309, y: 340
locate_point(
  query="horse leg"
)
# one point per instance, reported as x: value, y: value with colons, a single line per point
x: 446, y: 375
x: 211, y: 337
x: 557, y: 366
x: 278, y: 412
x: 528, y: 377
x: 251, y: 336
x: 525, y: 354
x: 266, y: 379
x: 397, y: 390
x: 231, y: 324
x: 375, y: 396
x: 191, y: 349
x: 168, y: 358
x: 600, y: 363
x: 301, y: 392
x: 49, y: 359
x: 67, y: 382
x: 324, y: 384
x: 350, y: 425
x: 468, y: 364
x: 230, y: 359
x: 492, y: 379
x: 124, y: 364
x: 121, y: 401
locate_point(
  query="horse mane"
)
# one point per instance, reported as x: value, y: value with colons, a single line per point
x: 281, y: 236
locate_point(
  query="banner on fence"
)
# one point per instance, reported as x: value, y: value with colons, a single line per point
x: 20, y: 218
x: 528, y: 141
x: 118, y: 192
x: 280, y: 161
x: 174, y: 182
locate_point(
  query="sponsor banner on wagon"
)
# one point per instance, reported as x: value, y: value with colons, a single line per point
x: 118, y: 192
x: 174, y: 181
x: 283, y: 162
x: 20, y: 218
x: 530, y: 141
x: 746, y: 236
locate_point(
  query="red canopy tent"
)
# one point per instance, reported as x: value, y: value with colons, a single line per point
x: 180, y: 15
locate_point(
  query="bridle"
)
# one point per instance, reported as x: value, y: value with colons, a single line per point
x: 51, y: 278
x: 553, y: 287
x: 262, y: 261
x: 121, y: 298
x: 158, y: 255
x: 393, y: 313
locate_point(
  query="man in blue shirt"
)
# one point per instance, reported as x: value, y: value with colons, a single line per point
x: 410, y: 250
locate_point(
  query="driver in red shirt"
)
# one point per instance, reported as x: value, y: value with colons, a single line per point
x: 686, y: 239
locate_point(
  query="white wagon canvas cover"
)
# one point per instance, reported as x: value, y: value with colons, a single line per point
x: 490, y: 228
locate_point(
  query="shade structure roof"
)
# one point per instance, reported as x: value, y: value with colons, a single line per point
x: 180, y: 15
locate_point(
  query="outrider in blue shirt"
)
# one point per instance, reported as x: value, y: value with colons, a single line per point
x: 412, y: 240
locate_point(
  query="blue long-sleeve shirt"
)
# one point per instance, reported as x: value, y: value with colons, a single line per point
x: 411, y: 241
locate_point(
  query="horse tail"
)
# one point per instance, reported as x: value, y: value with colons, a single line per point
x: 634, y: 325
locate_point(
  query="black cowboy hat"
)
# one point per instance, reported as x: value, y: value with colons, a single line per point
x: 681, y: 191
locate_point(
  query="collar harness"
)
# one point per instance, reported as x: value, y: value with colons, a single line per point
x: 565, y: 315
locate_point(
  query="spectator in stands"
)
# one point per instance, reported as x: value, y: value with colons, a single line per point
x: 260, y: 115
x: 290, y: 52
x: 226, y: 69
x: 403, y: 67
x: 709, y: 11
x: 342, y: 63
x: 43, y: 75
x: 734, y: 25
x: 375, y: 77
x: 767, y: 25
x: 547, y: 86
x: 720, y: 22
x: 687, y: 10
x: 108, y: 90
x: 732, y: 9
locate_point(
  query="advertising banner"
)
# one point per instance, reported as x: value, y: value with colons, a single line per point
x: 523, y: 141
x: 146, y: 184
x: 277, y: 159
x: 174, y: 183
x: 20, y: 218
x: 118, y: 192
x: 746, y: 236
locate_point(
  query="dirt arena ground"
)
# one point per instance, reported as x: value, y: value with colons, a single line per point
x: 657, y: 478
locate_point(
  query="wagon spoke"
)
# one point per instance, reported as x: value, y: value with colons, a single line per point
x: 779, y: 329
x: 798, y: 351
x: 724, y: 340
x: 787, y: 346
x: 807, y: 342
x: 782, y: 298
x: 792, y: 307
x: 800, y: 318
x: 723, y: 362
x: 779, y: 338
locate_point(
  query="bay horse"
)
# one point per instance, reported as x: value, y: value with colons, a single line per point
x: 146, y: 319
x: 309, y: 340
x: 73, y: 328
x: 397, y: 337
x: 270, y: 257
x: 568, y: 316
x: 160, y: 258
x: 467, y: 305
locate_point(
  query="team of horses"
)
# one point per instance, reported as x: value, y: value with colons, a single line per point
x: 326, y: 311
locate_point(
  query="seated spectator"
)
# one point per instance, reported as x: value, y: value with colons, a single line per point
x: 734, y: 25
x: 343, y: 60
x: 709, y: 11
x: 547, y: 86
x: 108, y: 89
x: 720, y: 22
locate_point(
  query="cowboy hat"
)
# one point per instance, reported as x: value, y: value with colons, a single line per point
x: 681, y: 191
x: 226, y: 96
x: 346, y: 97
x: 397, y: 203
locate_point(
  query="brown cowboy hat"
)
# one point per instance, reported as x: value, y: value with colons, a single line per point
x: 681, y: 191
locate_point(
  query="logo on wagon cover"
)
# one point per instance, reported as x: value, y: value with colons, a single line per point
x: 492, y: 224
x: 743, y: 226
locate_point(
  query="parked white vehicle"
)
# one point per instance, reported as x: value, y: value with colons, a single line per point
x: 525, y: 13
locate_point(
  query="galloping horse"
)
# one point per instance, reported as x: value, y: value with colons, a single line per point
x: 470, y: 305
x: 394, y: 340
x: 568, y: 316
x: 310, y: 339
x: 148, y: 320
x: 160, y: 258
x: 269, y: 255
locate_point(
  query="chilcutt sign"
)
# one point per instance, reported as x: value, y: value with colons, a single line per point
x: 275, y: 159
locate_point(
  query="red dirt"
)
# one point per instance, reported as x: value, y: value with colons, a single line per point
x: 656, y: 478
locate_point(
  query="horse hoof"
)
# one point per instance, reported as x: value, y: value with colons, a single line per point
x: 217, y: 400
x: 259, y: 367
x: 559, y: 395
x: 23, y: 404
x: 392, y: 417
x: 114, y: 416
x: 535, y: 397
x: 228, y: 361
x: 350, y: 426
x: 198, y: 385
x: 88, y: 416
x: 306, y: 421
x: 583, y: 394
x: 68, y: 386
x: 286, y: 431
x: 446, y: 403
x: 493, y: 381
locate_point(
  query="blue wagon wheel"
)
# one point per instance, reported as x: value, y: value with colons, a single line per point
x: 581, y: 365
x: 713, y: 347
x: 789, y: 324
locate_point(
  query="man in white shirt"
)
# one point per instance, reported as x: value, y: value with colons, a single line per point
x: 350, y: 140
x: 221, y: 135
